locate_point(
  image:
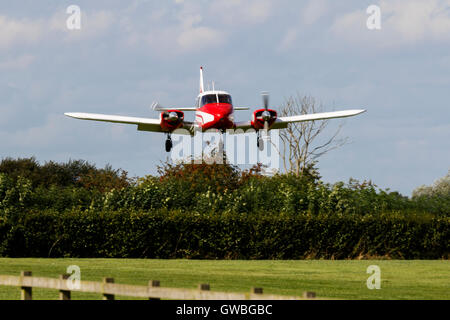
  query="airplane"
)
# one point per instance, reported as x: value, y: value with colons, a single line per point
x: 213, y: 110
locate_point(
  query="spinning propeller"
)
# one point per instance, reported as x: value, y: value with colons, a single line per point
x: 266, y: 115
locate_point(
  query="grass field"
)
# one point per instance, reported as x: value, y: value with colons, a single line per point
x: 344, y: 279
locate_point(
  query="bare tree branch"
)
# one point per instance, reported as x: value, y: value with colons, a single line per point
x: 299, y: 140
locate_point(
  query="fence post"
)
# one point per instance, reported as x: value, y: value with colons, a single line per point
x: 309, y: 295
x: 204, y: 287
x: 25, y: 292
x: 257, y: 290
x: 105, y: 295
x: 154, y: 284
x: 64, y: 294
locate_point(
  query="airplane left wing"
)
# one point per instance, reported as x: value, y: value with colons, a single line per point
x: 143, y: 124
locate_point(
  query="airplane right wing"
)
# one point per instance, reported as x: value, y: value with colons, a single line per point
x: 143, y: 124
x: 282, y: 122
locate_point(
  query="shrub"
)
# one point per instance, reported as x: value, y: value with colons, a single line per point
x: 175, y: 234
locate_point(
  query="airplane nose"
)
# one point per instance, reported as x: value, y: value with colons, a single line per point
x: 226, y: 117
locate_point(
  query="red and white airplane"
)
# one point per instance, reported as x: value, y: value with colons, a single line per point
x: 213, y: 110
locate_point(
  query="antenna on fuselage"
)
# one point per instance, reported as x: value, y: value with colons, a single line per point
x: 201, y: 80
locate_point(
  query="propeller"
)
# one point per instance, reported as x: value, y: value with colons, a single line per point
x: 156, y: 106
x: 266, y: 114
x: 265, y: 96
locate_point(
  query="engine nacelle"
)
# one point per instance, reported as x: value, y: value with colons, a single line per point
x: 171, y: 120
x: 262, y: 115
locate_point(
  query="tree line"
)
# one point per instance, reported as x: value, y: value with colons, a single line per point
x: 213, y: 211
x: 25, y: 184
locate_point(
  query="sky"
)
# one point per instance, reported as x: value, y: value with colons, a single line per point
x: 128, y: 54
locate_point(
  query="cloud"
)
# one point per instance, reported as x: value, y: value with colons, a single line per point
x: 314, y: 10
x: 93, y: 25
x: 308, y: 15
x: 402, y: 23
x: 198, y: 38
x: 288, y: 39
x: 20, y: 62
x: 188, y: 32
x: 14, y: 32
x: 188, y: 27
x: 417, y: 20
x: 23, y: 31
x: 241, y: 12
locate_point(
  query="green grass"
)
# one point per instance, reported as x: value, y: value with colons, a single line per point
x: 342, y: 279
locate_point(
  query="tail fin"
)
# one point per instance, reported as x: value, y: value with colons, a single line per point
x: 201, y: 80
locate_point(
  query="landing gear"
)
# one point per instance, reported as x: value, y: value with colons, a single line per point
x: 259, y: 141
x: 168, y: 143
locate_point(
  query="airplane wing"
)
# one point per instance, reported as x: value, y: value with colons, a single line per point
x: 179, y: 109
x: 159, y: 108
x: 244, y: 125
x: 282, y: 122
x: 143, y: 124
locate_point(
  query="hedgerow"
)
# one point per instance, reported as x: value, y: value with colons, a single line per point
x: 212, y: 211
x: 176, y: 234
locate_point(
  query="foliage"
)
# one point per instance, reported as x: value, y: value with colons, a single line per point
x: 211, y: 188
x: 435, y: 197
x: 175, y: 234
x: 78, y: 173
x: 212, y: 211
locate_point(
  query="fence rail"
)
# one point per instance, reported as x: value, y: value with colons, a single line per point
x: 108, y: 289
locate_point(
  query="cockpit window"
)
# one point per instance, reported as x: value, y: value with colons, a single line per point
x: 225, y: 98
x: 209, y: 98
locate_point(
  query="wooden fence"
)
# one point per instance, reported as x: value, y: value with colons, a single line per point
x: 108, y: 289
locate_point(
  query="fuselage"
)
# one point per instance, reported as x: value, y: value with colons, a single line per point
x: 214, y: 111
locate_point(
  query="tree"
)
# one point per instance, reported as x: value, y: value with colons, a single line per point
x: 441, y: 187
x: 300, y: 147
x: 434, y: 198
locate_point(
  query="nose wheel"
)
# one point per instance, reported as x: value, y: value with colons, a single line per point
x: 168, y: 143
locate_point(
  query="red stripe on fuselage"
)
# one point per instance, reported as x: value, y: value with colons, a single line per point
x: 221, y: 113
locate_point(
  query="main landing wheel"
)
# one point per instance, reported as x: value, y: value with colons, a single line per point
x: 259, y: 142
x: 168, y: 144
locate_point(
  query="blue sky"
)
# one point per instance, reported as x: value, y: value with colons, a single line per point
x: 130, y: 53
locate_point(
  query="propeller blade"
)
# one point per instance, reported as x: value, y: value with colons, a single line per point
x: 265, y: 96
x: 156, y: 106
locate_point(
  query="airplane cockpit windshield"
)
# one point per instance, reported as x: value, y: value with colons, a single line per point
x: 212, y: 98
x: 209, y: 98
x: 225, y: 98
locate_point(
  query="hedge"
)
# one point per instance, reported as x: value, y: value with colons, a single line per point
x: 174, y: 234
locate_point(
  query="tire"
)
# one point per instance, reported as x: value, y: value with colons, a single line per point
x: 168, y: 145
x: 260, y: 144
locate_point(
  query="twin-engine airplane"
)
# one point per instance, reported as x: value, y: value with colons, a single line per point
x: 213, y: 110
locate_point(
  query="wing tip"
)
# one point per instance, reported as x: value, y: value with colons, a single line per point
x: 361, y: 111
x: 77, y: 115
x: 356, y: 111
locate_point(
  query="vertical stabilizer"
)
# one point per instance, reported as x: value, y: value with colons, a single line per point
x: 201, y: 80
